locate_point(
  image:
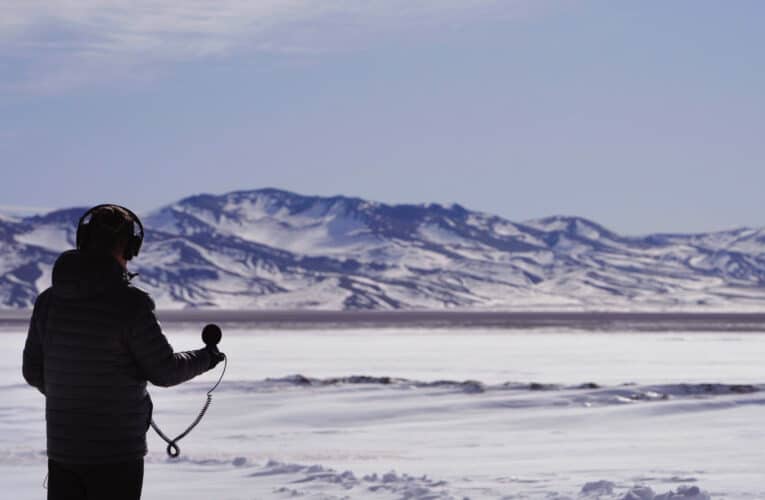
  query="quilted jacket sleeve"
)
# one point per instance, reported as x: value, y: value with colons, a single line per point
x: 154, y: 354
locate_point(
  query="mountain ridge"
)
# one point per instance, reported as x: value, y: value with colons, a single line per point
x: 274, y: 249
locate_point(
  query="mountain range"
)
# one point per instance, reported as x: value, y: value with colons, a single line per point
x: 273, y: 249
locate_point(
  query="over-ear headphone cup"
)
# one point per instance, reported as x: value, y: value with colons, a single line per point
x: 133, y: 245
x: 131, y: 248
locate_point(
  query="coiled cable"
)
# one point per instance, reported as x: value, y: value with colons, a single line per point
x: 173, y: 450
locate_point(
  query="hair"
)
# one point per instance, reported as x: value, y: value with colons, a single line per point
x: 109, y: 229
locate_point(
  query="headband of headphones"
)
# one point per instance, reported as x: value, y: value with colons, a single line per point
x: 135, y: 238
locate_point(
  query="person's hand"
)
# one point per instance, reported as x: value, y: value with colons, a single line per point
x: 215, y: 355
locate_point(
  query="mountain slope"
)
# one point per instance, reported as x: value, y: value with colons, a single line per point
x: 275, y: 249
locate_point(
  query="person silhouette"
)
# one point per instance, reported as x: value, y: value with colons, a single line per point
x: 93, y: 343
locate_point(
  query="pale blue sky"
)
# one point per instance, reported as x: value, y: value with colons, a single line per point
x: 646, y: 116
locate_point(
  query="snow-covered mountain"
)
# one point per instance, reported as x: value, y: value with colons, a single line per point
x: 274, y: 249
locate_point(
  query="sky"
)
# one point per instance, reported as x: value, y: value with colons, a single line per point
x: 643, y: 116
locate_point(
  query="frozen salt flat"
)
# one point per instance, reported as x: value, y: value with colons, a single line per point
x: 437, y: 414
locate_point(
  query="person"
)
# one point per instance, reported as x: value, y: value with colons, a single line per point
x: 93, y: 343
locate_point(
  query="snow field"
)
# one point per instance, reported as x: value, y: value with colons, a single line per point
x: 435, y: 414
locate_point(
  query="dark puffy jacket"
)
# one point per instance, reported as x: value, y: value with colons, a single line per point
x: 93, y: 342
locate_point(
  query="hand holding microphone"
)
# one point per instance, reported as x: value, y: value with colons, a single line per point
x: 211, y: 336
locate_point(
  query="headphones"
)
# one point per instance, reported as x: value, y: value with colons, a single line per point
x: 135, y: 236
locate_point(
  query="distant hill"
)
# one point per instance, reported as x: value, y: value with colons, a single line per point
x: 273, y: 249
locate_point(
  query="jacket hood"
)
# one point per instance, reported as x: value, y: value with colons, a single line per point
x: 82, y: 275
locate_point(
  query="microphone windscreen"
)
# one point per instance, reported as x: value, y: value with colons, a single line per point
x: 211, y: 334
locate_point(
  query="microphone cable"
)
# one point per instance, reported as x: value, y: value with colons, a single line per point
x: 173, y: 450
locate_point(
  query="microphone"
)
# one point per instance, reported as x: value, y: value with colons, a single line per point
x: 211, y: 335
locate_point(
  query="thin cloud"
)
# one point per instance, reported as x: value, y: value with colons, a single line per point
x: 68, y: 43
x: 22, y: 210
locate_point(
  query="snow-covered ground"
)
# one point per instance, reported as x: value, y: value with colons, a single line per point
x: 432, y: 414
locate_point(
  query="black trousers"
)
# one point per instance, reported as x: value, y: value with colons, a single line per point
x: 119, y: 481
